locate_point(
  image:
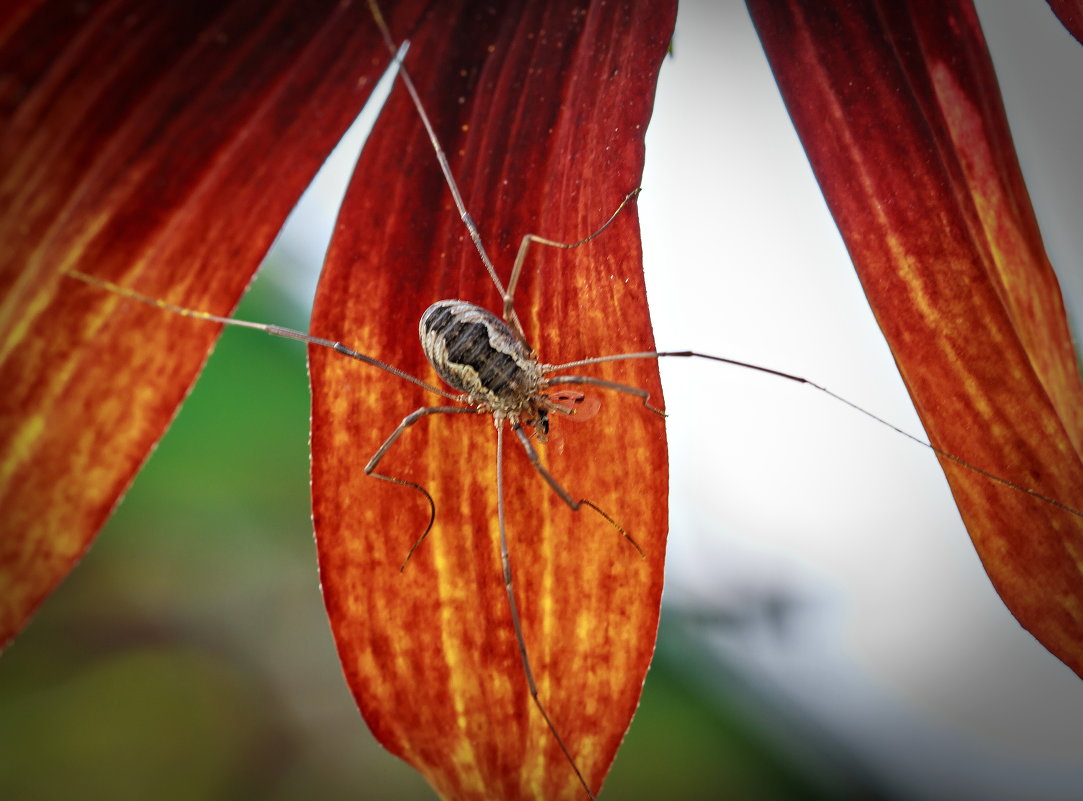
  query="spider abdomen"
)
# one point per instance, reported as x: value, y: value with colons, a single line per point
x: 475, y: 352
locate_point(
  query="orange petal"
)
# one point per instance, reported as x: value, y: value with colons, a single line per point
x: 899, y: 110
x: 542, y: 113
x: 159, y: 146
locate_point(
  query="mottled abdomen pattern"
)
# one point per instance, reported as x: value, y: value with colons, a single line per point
x: 475, y: 352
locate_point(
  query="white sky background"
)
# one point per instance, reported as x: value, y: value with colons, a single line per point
x: 898, y: 642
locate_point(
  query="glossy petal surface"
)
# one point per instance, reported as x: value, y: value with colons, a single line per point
x: 542, y: 112
x: 159, y: 146
x: 899, y: 111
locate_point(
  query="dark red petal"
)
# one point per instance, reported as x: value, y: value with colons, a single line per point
x: 159, y: 146
x: 1070, y: 13
x: 899, y: 110
x: 542, y: 112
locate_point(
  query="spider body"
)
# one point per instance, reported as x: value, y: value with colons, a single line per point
x: 476, y: 353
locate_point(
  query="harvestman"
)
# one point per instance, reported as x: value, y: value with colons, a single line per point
x: 495, y: 370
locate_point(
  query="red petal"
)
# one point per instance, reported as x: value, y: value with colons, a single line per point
x: 542, y: 113
x: 1070, y: 13
x: 900, y: 113
x: 160, y: 146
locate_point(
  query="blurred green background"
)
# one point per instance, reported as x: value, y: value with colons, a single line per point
x: 189, y: 657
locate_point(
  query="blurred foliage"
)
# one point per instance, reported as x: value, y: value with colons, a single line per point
x: 188, y: 656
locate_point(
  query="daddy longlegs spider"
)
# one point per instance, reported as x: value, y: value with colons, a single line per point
x: 451, y: 325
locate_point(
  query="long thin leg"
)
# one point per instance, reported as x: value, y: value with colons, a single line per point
x: 408, y: 421
x: 510, y: 316
x: 575, y: 506
x: 642, y: 394
x: 514, y: 607
x: 274, y: 330
x: 441, y: 157
x: 507, y: 294
x: 645, y: 396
